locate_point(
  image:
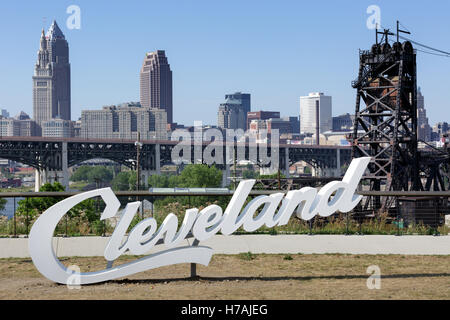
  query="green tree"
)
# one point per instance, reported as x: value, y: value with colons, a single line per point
x: 132, y: 180
x: 271, y: 176
x: 2, y: 204
x: 99, y: 174
x: 124, y: 181
x: 88, y: 207
x: 121, y: 181
x: 81, y: 174
x: 92, y: 174
x: 174, y: 181
x: 249, y: 174
x: 159, y: 181
x: 34, y: 206
x: 200, y: 176
x: 192, y: 176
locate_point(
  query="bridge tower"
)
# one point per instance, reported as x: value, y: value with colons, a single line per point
x: 385, y: 126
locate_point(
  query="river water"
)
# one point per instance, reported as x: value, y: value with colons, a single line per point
x: 9, y: 207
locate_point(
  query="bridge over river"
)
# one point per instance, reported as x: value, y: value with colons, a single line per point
x: 53, y: 156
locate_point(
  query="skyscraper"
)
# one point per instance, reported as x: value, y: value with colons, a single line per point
x: 231, y: 115
x: 156, y: 83
x: 51, y: 79
x: 423, y: 127
x: 315, y: 113
x: 244, y: 100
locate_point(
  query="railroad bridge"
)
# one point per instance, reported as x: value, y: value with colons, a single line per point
x: 53, y: 156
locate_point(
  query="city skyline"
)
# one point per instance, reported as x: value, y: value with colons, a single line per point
x: 197, y: 94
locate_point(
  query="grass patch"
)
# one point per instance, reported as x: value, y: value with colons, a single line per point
x: 248, y: 256
x: 257, y: 276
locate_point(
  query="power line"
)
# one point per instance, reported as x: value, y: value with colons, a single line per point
x: 434, y: 54
x: 425, y: 46
x: 443, y: 53
x: 407, y: 29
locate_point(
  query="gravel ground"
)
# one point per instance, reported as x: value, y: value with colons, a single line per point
x: 327, y: 276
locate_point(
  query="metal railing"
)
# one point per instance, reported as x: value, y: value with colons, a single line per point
x: 431, y: 203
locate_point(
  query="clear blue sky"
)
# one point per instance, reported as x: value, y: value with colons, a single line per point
x: 275, y: 50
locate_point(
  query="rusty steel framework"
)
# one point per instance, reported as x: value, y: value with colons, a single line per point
x: 385, y: 126
x: 434, y: 165
x: 288, y: 184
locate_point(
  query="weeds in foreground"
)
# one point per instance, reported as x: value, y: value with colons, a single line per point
x: 336, y: 224
x: 247, y: 256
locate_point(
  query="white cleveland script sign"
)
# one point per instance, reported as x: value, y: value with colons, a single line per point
x: 306, y: 203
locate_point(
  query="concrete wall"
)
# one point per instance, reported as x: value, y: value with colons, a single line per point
x: 234, y: 244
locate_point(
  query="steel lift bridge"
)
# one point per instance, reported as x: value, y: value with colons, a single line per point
x: 385, y: 126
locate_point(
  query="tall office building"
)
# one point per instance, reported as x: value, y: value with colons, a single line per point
x: 156, y: 83
x: 51, y: 79
x: 231, y: 115
x: 244, y: 101
x: 423, y: 127
x: 294, y: 122
x: 315, y: 113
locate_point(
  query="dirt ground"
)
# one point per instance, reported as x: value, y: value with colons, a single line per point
x: 258, y: 277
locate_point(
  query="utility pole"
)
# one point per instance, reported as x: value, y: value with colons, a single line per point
x: 279, y: 179
x: 138, y: 145
x: 317, y: 123
x: 402, y: 31
x: 235, y: 163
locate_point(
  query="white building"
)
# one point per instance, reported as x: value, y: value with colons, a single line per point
x: 9, y: 127
x: 309, y: 119
x: 57, y: 128
x: 124, y: 122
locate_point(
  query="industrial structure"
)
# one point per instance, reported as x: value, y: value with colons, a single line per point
x: 386, y: 113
